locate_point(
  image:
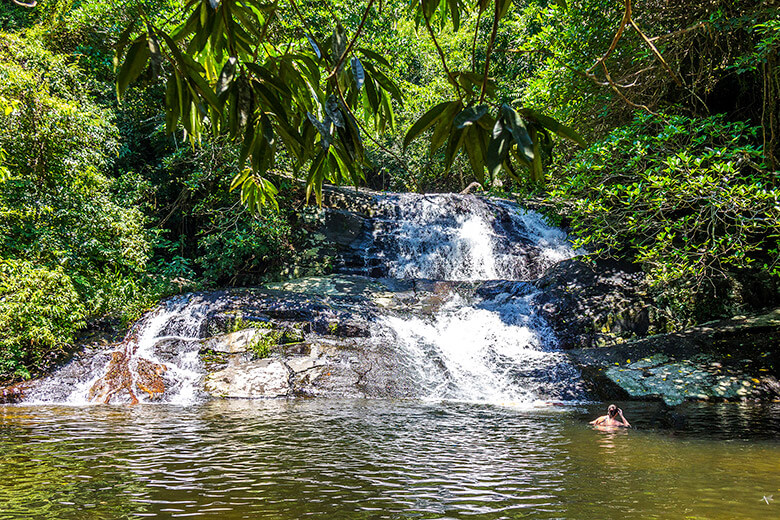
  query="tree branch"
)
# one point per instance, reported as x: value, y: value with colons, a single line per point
x: 352, y: 42
x: 489, y: 50
x: 441, y: 55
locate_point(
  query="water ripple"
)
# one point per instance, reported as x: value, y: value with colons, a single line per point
x: 364, y: 460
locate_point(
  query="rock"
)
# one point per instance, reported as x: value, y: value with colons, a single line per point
x: 595, y: 304
x: 13, y: 393
x: 234, y: 342
x: 116, y: 380
x: 149, y: 378
x: 264, y: 378
x: 729, y: 360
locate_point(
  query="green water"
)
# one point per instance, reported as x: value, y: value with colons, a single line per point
x: 385, y: 459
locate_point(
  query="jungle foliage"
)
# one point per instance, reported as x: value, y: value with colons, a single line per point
x: 154, y: 146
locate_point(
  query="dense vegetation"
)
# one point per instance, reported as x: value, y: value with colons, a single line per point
x: 652, y: 125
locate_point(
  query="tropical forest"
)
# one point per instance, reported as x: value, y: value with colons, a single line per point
x: 347, y: 259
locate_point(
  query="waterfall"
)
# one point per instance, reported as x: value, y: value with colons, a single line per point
x: 464, y: 238
x: 157, y: 361
x: 476, y: 336
x: 491, y: 347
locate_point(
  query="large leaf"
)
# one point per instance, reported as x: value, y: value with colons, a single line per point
x: 444, y: 126
x: 454, y: 7
x: 474, y: 141
x: 469, y: 116
x: 338, y: 43
x: 358, y: 73
x: 226, y: 76
x: 454, y: 144
x: 514, y: 123
x: 135, y: 62
x: 498, y: 149
x: 425, y: 122
x: 368, y: 53
x: 551, y: 124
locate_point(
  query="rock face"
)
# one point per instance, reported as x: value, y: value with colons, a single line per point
x: 595, y: 304
x: 733, y: 359
x: 317, y: 336
x: 252, y: 379
x: 323, y: 348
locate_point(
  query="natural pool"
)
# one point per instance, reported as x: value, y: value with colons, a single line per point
x: 373, y: 459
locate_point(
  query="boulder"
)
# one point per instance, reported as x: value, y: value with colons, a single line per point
x: 263, y: 378
x: 234, y: 342
x: 736, y: 359
x: 595, y: 303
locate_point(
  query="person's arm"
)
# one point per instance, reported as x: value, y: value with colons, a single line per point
x: 599, y: 420
x: 625, y: 422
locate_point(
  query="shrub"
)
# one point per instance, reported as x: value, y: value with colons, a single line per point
x: 40, y: 312
x: 686, y: 197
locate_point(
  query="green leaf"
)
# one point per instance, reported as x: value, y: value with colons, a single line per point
x: 444, y: 126
x: 316, y: 177
x: 270, y: 78
x: 551, y: 124
x: 388, y: 110
x: 240, y: 178
x: 122, y: 41
x: 475, y: 149
x: 373, y: 97
x: 425, y: 122
x: 503, y: 7
x: 429, y: 7
x: 172, y: 105
x: 454, y: 6
x: 317, y: 51
x: 497, y: 151
x: 368, y: 53
x: 226, y: 77
x: 386, y: 83
x: 134, y: 64
x: 325, y: 129
x: 453, y: 145
x: 358, y: 73
x: 338, y: 43
x: 514, y: 123
x: 469, y: 116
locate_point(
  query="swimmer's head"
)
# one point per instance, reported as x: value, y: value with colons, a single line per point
x: 612, y: 410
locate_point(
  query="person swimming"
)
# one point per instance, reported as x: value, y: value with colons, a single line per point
x: 614, y: 417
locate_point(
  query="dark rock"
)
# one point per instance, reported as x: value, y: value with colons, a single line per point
x: 729, y: 360
x: 13, y: 393
x: 589, y: 304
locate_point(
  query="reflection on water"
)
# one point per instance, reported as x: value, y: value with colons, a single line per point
x: 384, y: 459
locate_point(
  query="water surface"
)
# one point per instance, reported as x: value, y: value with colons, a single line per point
x: 370, y: 459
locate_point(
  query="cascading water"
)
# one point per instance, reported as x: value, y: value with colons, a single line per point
x: 141, y: 369
x: 490, y: 346
x: 476, y: 336
x: 464, y: 238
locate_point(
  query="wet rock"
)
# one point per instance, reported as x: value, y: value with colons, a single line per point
x: 235, y: 342
x: 13, y: 393
x: 729, y: 360
x: 117, y: 379
x: 149, y: 377
x: 595, y: 304
x: 264, y: 378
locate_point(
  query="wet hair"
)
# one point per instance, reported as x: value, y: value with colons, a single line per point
x: 612, y: 410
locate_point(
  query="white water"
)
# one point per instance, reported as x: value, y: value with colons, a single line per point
x: 466, y: 238
x: 486, y: 349
x: 481, y: 346
x: 179, y: 320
